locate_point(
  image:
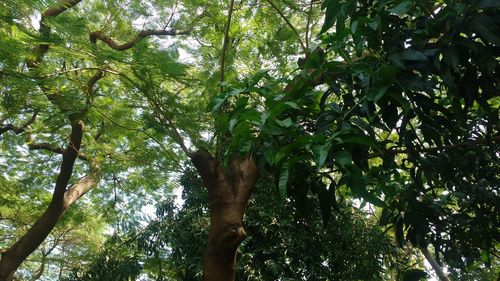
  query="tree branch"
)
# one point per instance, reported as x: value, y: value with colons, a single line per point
x: 51, y: 148
x: 84, y: 185
x: 94, y: 35
x: 18, y: 130
x: 225, y: 44
x: 44, y: 29
x: 309, y: 16
x: 437, y: 268
x: 304, y: 48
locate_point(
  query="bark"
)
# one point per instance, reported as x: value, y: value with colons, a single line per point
x: 437, y: 268
x: 228, y: 193
x: 62, y: 198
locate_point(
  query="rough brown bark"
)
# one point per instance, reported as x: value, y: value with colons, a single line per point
x: 228, y: 193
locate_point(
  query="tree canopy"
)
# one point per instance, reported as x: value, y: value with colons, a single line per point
x: 348, y: 140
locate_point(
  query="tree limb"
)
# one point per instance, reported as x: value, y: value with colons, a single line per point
x: 437, y: 268
x: 225, y: 45
x: 55, y: 149
x: 309, y: 16
x: 18, y: 130
x: 44, y: 29
x: 94, y: 35
x: 69, y: 156
x: 84, y: 185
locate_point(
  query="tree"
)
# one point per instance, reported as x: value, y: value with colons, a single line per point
x: 397, y: 107
x: 48, y: 94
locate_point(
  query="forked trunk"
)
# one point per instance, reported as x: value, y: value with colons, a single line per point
x: 62, y: 198
x: 228, y: 194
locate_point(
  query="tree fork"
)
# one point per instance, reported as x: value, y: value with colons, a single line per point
x: 228, y: 193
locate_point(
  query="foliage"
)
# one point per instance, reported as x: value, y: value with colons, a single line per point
x: 398, y: 107
x: 393, y: 106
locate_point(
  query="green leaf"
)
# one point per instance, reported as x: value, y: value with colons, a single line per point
x: 358, y: 187
x: 360, y: 139
x: 283, y: 181
x: 387, y: 73
x: 401, y: 8
x: 377, y: 93
x: 414, y: 275
x: 320, y: 152
x: 232, y: 123
x: 343, y: 158
x: 285, y: 123
x: 332, y: 10
x: 479, y: 25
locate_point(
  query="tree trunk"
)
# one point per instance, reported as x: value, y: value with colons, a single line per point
x: 228, y: 194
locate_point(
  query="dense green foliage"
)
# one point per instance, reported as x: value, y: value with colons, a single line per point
x: 392, y: 107
x: 406, y: 119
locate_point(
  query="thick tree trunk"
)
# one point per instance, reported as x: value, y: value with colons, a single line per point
x: 228, y: 194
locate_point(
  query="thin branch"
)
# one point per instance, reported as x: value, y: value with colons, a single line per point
x: 289, y: 24
x: 171, y: 15
x: 164, y: 117
x: 225, y: 45
x: 432, y: 261
x: 142, y: 34
x: 169, y: 153
x: 78, y: 69
x: 309, y: 16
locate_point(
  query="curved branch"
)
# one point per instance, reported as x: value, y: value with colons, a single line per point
x: 44, y: 29
x: 94, y: 35
x: 18, y: 130
x: 54, y: 11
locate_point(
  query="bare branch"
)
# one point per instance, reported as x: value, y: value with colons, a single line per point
x: 84, y: 185
x: 55, y: 11
x: 308, y: 24
x: 106, y: 70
